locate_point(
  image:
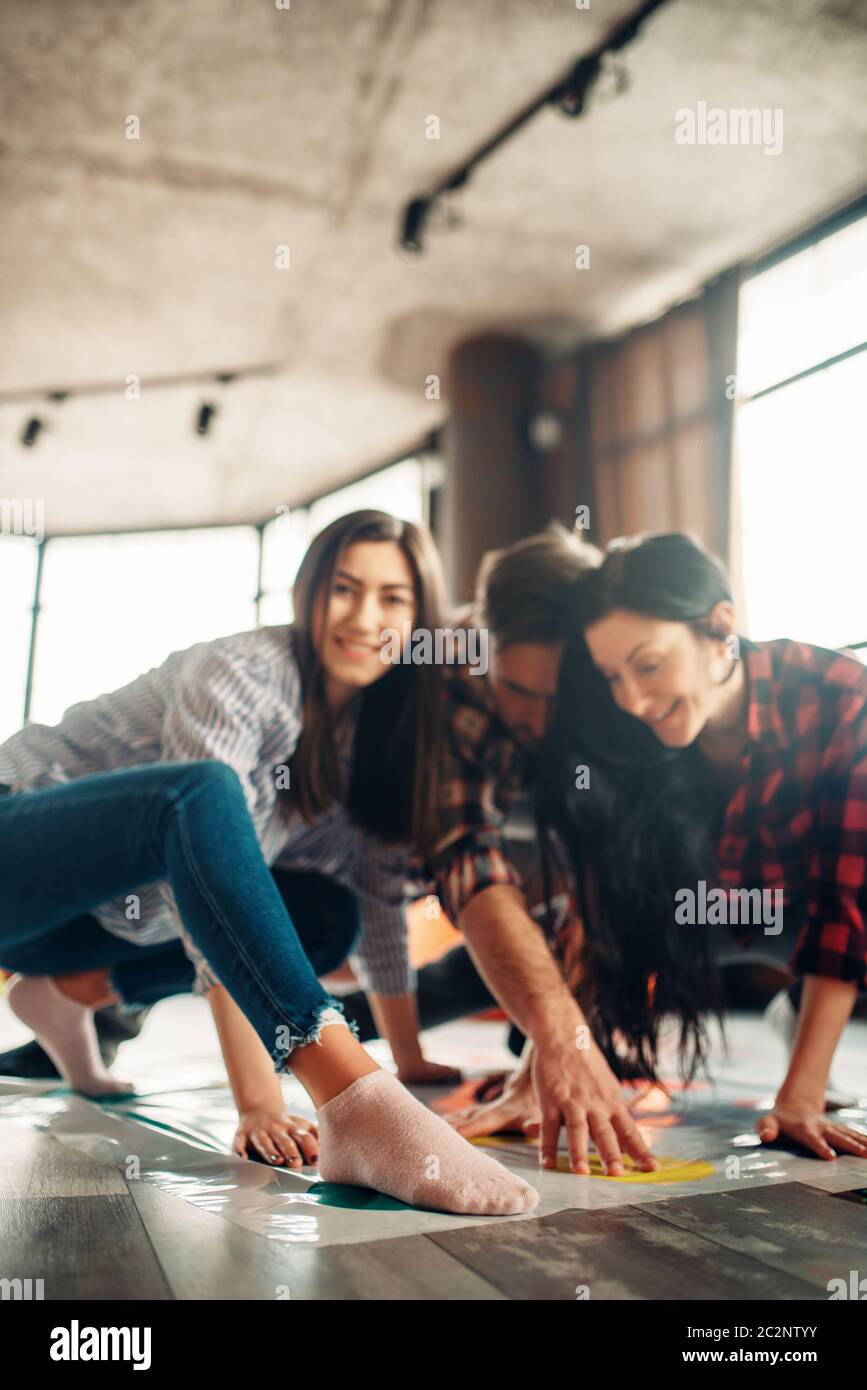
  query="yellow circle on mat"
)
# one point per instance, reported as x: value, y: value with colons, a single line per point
x: 670, y: 1169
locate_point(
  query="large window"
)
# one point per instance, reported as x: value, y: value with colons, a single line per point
x: 802, y: 383
x: 114, y: 606
x: 111, y: 607
x: 17, y: 581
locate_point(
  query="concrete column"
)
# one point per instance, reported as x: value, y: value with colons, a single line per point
x: 500, y: 484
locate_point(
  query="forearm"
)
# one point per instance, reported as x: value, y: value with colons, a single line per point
x: 521, y: 1078
x: 254, y: 1082
x: 826, y: 1005
x: 397, y: 1021
x: 516, y: 963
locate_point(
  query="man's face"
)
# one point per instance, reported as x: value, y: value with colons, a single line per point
x: 523, y: 681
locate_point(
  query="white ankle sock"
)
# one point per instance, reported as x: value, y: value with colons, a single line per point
x: 376, y: 1134
x: 66, y: 1030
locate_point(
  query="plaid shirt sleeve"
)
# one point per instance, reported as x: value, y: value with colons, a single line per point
x: 834, y: 940
x: 473, y: 851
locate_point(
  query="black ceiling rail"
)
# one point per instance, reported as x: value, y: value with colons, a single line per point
x: 569, y: 93
x: 215, y: 376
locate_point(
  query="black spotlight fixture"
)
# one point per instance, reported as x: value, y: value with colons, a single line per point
x: 572, y: 96
x: 207, y: 411
x: 32, y: 431
x: 414, y: 219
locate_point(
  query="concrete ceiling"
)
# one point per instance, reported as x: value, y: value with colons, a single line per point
x: 305, y: 127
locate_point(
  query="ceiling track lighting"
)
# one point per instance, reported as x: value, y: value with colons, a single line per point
x: 209, y: 409
x: 35, y: 425
x: 569, y: 95
x: 414, y: 219
x: 571, y: 98
x: 32, y: 431
x: 205, y: 414
x: 153, y: 383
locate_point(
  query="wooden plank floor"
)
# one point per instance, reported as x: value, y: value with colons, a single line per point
x: 790, y: 1226
x: 201, y: 1226
x: 71, y: 1222
x: 79, y: 1226
x: 622, y: 1253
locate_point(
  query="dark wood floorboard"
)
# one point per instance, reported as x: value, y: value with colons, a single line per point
x: 410, y: 1267
x: 787, y: 1227
x: 33, y: 1164
x: 81, y: 1247
x: 621, y: 1252
x: 203, y: 1256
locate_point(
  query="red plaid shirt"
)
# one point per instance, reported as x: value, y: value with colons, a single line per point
x: 798, y: 820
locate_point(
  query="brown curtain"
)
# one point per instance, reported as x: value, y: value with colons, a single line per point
x: 658, y: 417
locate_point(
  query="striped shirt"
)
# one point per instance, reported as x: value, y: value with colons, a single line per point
x: 237, y: 700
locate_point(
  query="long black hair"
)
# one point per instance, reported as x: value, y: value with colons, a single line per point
x: 641, y: 822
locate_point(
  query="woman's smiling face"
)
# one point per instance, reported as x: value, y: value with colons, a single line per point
x: 372, y: 590
x: 660, y: 672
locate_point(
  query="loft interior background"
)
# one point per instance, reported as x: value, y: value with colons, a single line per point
x: 155, y: 257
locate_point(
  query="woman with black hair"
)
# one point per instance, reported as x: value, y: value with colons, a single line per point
x: 690, y: 767
x: 156, y: 809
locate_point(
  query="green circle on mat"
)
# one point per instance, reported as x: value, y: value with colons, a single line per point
x: 337, y: 1194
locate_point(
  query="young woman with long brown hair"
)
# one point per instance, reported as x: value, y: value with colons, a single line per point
x: 157, y: 809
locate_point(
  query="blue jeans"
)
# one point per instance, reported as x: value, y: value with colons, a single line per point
x: 65, y: 850
x: 325, y: 915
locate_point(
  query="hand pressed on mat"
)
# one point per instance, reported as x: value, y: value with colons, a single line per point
x: 805, y: 1121
x: 276, y: 1137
